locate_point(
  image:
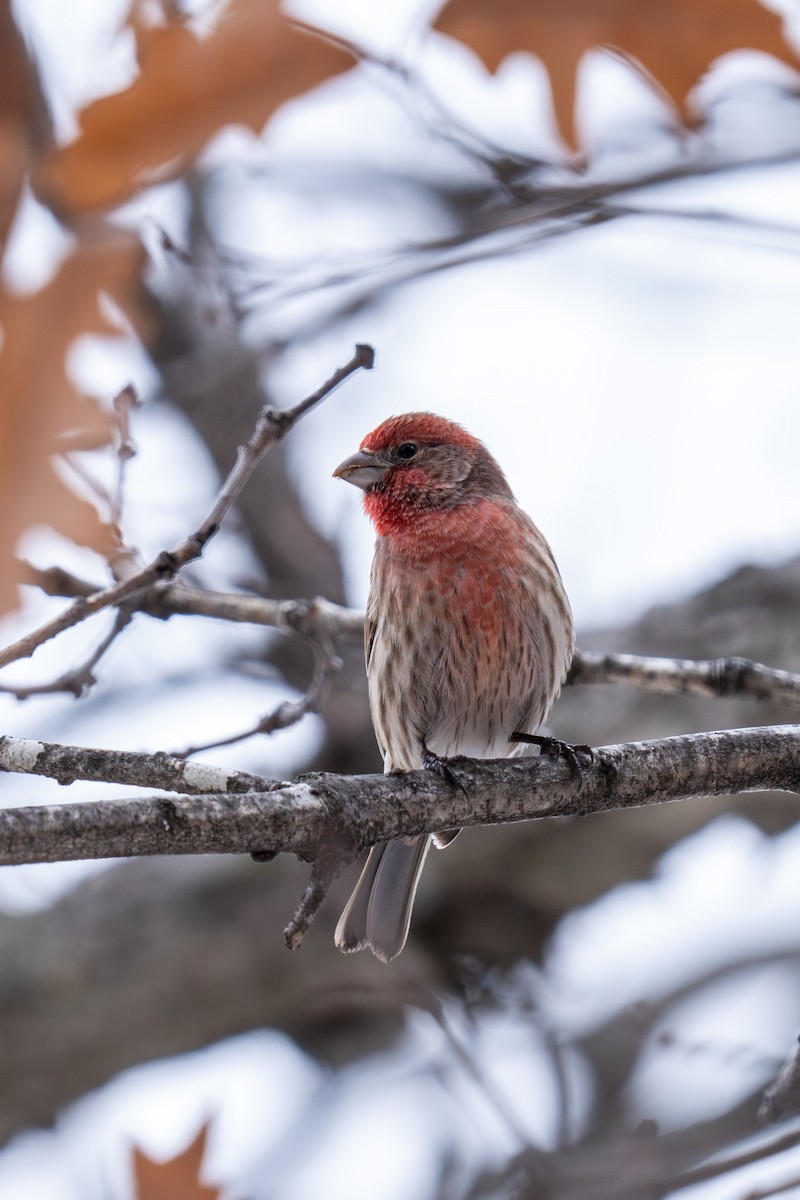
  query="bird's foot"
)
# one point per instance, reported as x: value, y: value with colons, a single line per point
x: 443, y: 767
x: 555, y: 749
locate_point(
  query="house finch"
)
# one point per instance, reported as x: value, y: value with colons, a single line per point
x: 468, y: 632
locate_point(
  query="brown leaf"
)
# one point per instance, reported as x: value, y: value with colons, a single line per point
x: 188, y: 88
x: 24, y: 121
x: 38, y: 402
x: 674, y: 41
x: 176, y: 1179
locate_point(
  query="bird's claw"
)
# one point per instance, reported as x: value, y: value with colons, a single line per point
x: 441, y: 767
x: 554, y: 748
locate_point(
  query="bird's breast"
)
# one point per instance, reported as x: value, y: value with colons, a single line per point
x: 470, y: 642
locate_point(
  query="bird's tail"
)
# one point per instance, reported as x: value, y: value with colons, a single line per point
x: 378, y: 913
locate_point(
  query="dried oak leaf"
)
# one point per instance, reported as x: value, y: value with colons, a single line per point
x: 38, y: 403
x: 24, y: 120
x: 671, y: 41
x: 188, y: 87
x: 176, y: 1179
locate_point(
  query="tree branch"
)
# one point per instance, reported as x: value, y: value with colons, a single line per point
x: 711, y: 677
x: 308, y: 618
x: 319, y: 814
x: 271, y: 426
x: 66, y: 764
x: 321, y: 618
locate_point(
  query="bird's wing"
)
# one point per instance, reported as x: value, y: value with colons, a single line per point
x: 370, y: 633
x: 370, y: 629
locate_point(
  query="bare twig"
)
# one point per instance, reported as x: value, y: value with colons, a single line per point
x: 733, y: 1162
x: 528, y: 211
x: 80, y: 679
x: 124, y: 404
x: 272, y: 426
x: 123, y: 560
x: 56, y: 581
x: 285, y: 714
x: 282, y: 716
x: 470, y: 1064
x: 520, y: 174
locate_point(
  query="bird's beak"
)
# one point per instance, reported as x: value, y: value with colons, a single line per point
x: 361, y: 469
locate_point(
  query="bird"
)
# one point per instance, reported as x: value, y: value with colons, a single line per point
x: 468, y: 634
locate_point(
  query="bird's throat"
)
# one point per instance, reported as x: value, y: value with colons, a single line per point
x: 394, y: 513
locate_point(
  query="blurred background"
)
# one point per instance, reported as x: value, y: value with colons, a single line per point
x: 590, y: 258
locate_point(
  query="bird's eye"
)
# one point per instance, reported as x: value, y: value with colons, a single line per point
x: 407, y: 450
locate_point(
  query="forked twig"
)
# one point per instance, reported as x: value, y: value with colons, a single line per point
x: 272, y: 426
x: 283, y: 715
x: 78, y: 680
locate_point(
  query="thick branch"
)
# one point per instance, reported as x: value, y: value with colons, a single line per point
x: 314, y: 813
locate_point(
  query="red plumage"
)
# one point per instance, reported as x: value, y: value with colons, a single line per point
x: 468, y: 633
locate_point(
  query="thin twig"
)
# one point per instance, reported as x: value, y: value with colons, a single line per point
x: 78, y: 680
x: 733, y: 1162
x: 471, y: 1066
x: 122, y: 560
x: 272, y: 426
x: 124, y: 403
x: 283, y: 715
x: 537, y: 211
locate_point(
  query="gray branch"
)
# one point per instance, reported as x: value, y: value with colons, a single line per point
x: 66, y: 764
x: 713, y: 677
x: 322, y: 814
x: 308, y: 618
x: 321, y: 619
